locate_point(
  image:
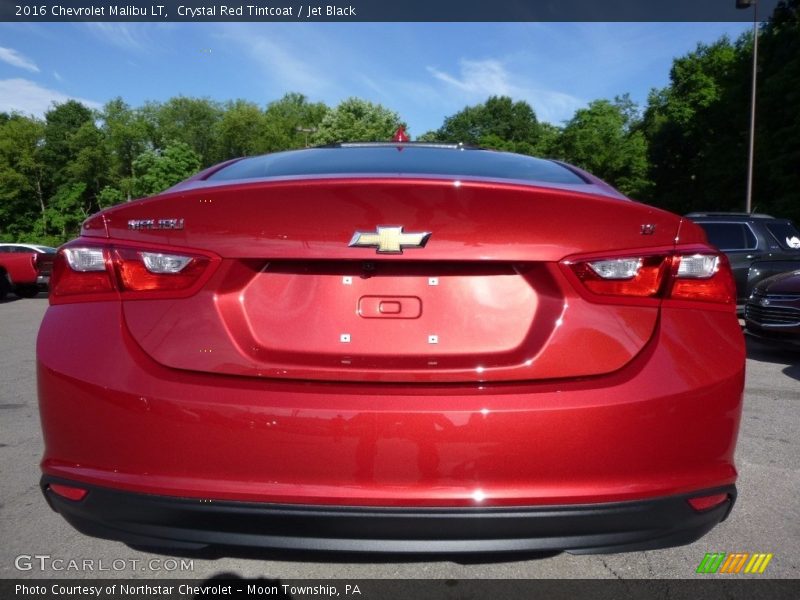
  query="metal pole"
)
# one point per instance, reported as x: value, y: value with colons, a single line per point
x: 749, y: 202
x: 306, y: 130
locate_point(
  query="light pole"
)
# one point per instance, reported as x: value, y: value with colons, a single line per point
x: 754, y: 4
x: 306, y: 130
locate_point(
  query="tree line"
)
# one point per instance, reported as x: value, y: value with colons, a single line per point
x: 685, y: 150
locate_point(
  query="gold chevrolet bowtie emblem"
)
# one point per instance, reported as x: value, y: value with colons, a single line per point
x: 389, y: 239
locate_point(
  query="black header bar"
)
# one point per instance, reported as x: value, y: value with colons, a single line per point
x: 380, y: 10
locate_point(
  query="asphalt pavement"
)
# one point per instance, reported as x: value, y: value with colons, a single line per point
x: 37, y: 543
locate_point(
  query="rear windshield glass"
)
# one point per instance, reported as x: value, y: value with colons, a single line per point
x: 786, y: 234
x: 729, y: 236
x: 408, y: 160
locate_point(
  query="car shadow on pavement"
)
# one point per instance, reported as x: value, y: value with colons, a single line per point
x: 11, y: 297
x: 766, y: 352
x: 793, y: 371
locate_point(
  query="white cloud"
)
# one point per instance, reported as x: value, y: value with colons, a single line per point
x: 127, y: 36
x: 28, y: 97
x: 57, y: 76
x: 283, y: 64
x: 389, y: 89
x: 479, y: 79
x: 307, y: 62
x: 15, y: 59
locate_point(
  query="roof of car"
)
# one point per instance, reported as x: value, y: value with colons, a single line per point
x: 403, y: 159
x: 729, y: 216
x: 37, y: 247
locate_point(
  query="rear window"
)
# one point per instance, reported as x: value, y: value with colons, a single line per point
x: 785, y: 234
x: 408, y: 160
x: 730, y: 236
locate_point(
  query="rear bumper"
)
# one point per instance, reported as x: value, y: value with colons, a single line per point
x: 783, y: 339
x: 788, y: 337
x: 187, y: 524
x: 567, y: 454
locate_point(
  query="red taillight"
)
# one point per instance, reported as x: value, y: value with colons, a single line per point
x: 140, y: 271
x: 81, y: 271
x: 700, y: 275
x: 67, y: 491
x: 634, y: 276
x: 703, y: 503
x: 710, y: 282
x: 86, y: 273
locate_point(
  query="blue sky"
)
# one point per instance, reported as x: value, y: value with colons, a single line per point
x: 424, y: 71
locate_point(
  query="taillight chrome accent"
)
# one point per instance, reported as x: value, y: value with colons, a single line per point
x: 617, y: 268
x: 698, y: 266
x: 158, y: 263
x: 85, y: 259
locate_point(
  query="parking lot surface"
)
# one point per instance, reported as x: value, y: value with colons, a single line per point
x: 766, y: 517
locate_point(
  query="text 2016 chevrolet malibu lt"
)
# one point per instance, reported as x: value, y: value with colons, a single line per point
x: 391, y: 347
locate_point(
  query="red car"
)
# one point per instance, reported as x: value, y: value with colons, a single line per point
x: 391, y: 347
x: 24, y: 269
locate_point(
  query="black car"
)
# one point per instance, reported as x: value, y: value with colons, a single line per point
x: 773, y: 310
x: 757, y: 246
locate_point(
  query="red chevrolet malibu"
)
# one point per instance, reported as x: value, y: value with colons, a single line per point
x: 391, y: 347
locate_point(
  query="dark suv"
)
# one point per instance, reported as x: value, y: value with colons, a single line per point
x: 757, y: 246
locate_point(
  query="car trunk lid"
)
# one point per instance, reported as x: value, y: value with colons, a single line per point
x: 483, y: 300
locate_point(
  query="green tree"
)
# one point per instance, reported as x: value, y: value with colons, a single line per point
x: 159, y: 170
x: 428, y: 136
x: 110, y: 195
x: 89, y: 161
x: 284, y: 119
x: 499, y: 123
x: 22, y: 200
x: 547, y: 143
x: 777, y: 143
x: 60, y: 145
x: 75, y: 167
x: 66, y: 210
x: 193, y: 121
x: 237, y: 132
x: 604, y: 139
x: 697, y: 131
x: 357, y: 120
x: 127, y: 133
